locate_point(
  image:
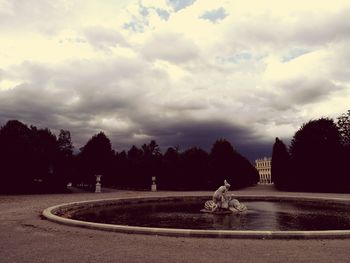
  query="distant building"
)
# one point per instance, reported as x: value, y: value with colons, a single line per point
x: 264, y: 168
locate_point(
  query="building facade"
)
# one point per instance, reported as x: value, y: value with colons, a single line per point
x: 263, y: 166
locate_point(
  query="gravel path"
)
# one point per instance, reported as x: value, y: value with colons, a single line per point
x: 26, y: 237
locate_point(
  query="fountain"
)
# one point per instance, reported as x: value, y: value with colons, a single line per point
x: 222, y: 216
x: 222, y: 203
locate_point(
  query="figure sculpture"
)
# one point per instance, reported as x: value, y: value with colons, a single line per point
x: 222, y: 203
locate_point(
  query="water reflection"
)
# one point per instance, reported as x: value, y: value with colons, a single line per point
x: 261, y: 215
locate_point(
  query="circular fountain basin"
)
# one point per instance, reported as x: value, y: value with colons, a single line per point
x: 267, y: 217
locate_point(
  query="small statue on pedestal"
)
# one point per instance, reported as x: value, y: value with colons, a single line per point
x: 222, y: 203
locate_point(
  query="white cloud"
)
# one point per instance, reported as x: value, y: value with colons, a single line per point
x: 170, y: 47
x: 103, y: 38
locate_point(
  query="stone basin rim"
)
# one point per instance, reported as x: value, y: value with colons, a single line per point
x: 50, y: 214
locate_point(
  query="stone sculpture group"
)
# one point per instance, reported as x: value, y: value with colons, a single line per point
x: 222, y: 203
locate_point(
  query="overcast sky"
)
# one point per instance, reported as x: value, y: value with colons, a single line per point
x: 183, y: 72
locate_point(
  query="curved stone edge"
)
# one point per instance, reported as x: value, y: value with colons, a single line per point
x: 49, y: 214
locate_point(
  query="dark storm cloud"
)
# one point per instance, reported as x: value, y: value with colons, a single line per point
x: 186, y: 133
x: 293, y: 93
x: 43, y: 109
x: 80, y: 95
x: 100, y: 87
x: 204, y: 133
x: 303, y: 91
x: 24, y: 103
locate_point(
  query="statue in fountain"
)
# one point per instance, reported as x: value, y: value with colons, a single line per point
x: 222, y: 203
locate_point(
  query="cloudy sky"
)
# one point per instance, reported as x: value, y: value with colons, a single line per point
x: 183, y: 72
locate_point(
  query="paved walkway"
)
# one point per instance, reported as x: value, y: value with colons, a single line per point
x: 25, y: 237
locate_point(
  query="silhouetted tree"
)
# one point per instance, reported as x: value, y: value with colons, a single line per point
x: 30, y: 159
x: 15, y: 156
x: 151, y: 150
x: 134, y: 166
x: 194, y: 173
x: 315, y: 156
x: 121, y: 170
x: 246, y: 173
x: 65, y: 144
x: 343, y: 124
x: 150, y: 164
x: 45, y: 159
x: 171, y: 169
x: 95, y: 158
x: 227, y: 163
x: 221, y: 161
x: 280, y: 165
x: 135, y: 154
x: 65, y: 159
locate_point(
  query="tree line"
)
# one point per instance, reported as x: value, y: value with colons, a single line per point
x: 317, y: 158
x: 36, y: 160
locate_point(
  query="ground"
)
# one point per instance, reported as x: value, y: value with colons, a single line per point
x: 26, y: 237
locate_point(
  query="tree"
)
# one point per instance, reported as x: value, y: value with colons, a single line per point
x: 45, y: 152
x: 150, y: 164
x: 344, y: 130
x: 194, y: 174
x: 65, y: 144
x: 171, y: 155
x: 30, y: 159
x: 316, y: 156
x: 120, y: 169
x: 151, y: 150
x: 343, y: 124
x: 280, y: 165
x: 171, y: 169
x: 227, y: 163
x: 134, y: 156
x: 65, y: 159
x: 15, y: 155
x: 95, y: 158
x: 221, y: 162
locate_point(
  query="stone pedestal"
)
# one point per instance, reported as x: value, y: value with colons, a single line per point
x: 153, y: 186
x: 98, y: 184
x: 98, y: 188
